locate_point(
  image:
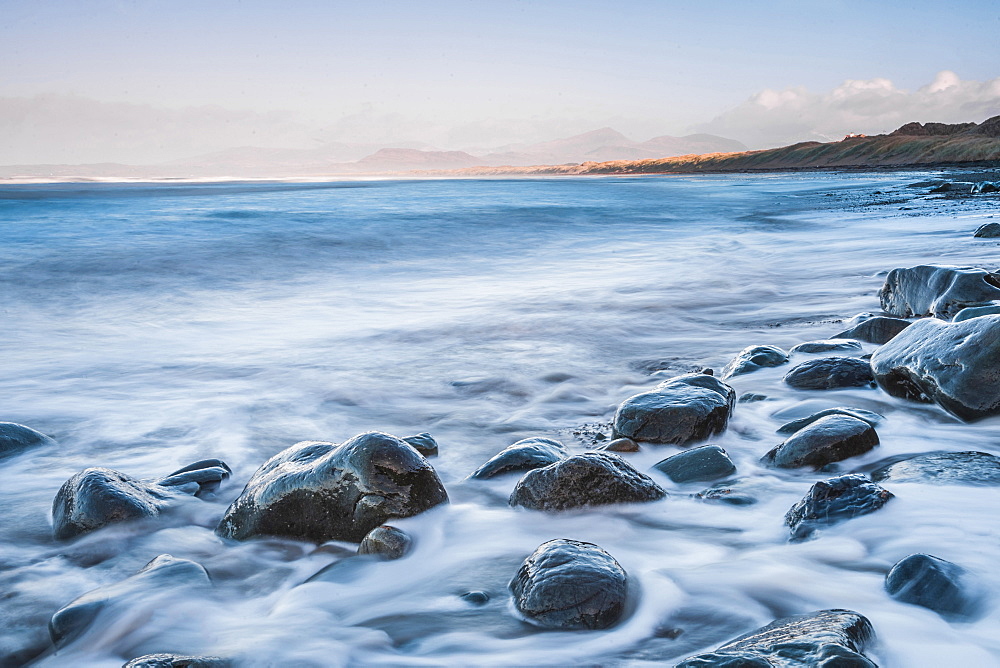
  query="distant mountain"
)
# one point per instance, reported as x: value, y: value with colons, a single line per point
x: 408, y: 159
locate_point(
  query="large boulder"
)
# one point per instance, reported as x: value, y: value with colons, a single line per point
x: 956, y: 365
x: 16, y: 438
x: 322, y: 491
x: 830, y: 439
x: 753, y: 358
x: 878, y: 329
x: 835, y: 500
x: 826, y: 638
x: 687, y: 408
x: 943, y: 468
x: 526, y: 454
x: 570, y: 584
x: 937, y: 290
x: 706, y: 462
x: 933, y: 583
x: 588, y: 479
x: 830, y: 373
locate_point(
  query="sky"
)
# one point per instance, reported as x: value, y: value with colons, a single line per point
x: 151, y: 81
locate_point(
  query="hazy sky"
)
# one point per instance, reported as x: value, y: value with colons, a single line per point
x: 149, y: 81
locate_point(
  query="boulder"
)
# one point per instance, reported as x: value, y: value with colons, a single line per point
x: 830, y: 373
x: 956, y: 365
x: 933, y: 583
x: 826, y: 638
x: 878, y: 330
x: 984, y: 187
x: 793, y: 426
x: 687, y: 408
x: 755, y: 357
x: 385, y: 542
x: 177, y: 661
x: 827, y: 346
x: 943, y: 468
x: 16, y: 438
x: 424, y: 444
x: 937, y: 290
x: 988, y: 231
x: 619, y: 445
x: 976, y: 311
x: 526, y: 454
x: 706, y: 462
x: 830, y: 439
x: 570, y: 584
x: 321, y: 491
x: 588, y: 479
x: 833, y: 501
x: 163, y: 573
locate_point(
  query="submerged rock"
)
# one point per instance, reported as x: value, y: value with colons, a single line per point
x: 619, y: 445
x: 833, y: 501
x: 830, y: 439
x: 829, y: 373
x: 424, y: 444
x: 827, y: 346
x: 937, y: 290
x: 177, y: 661
x: 570, y: 584
x: 793, y: 426
x: 943, y: 468
x: 476, y: 597
x: 988, y: 231
x: 386, y: 542
x: 933, y: 583
x: 588, y: 479
x: 828, y: 638
x: 322, y: 491
x: 706, y: 462
x: 955, y: 365
x: 526, y: 454
x: 755, y: 357
x: 16, y: 438
x: 878, y: 329
x: 687, y: 408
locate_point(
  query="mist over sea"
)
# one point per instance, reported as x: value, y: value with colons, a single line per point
x: 146, y: 326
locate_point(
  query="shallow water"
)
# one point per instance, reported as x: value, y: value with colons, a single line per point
x: 148, y: 326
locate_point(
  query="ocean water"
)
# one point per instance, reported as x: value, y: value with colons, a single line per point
x: 146, y: 326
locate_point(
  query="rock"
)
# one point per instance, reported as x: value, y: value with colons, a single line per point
x: 751, y: 398
x: 830, y: 439
x: 835, y: 500
x: 619, y: 445
x: 984, y: 187
x: 826, y: 638
x: 588, y: 479
x: 937, y: 290
x: 988, y: 231
x: 321, y: 491
x: 687, y: 408
x: 162, y: 573
x: 793, y: 426
x: 933, y: 583
x: 570, y: 584
x: 706, y: 462
x: 526, y: 454
x: 207, y: 474
x: 879, y: 330
x: 943, y: 468
x: 977, y: 311
x: 728, y: 494
x: 386, y: 542
x: 956, y: 365
x: 177, y: 661
x: 424, y: 444
x: 16, y: 438
x: 755, y: 357
x: 827, y: 345
x: 829, y: 373
x: 476, y: 597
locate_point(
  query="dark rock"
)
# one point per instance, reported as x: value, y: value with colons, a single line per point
x: 687, y: 408
x: 322, y: 491
x: 826, y: 638
x: 755, y: 357
x: 793, y: 426
x: 207, y: 474
x: 177, y: 661
x: 16, y: 438
x: 728, y: 494
x: 943, y: 468
x: 830, y: 439
x: 835, y: 500
x: 476, y: 597
x: 829, y: 373
x: 386, y: 542
x: 827, y: 346
x: 619, y: 445
x: 424, y: 444
x: 526, y: 454
x: 988, y: 231
x: 939, y: 291
x: 706, y: 462
x: 976, y: 312
x: 984, y: 187
x: 163, y: 572
x: 879, y: 330
x: 955, y: 365
x: 588, y: 479
x: 933, y: 583
x: 569, y: 584
x: 752, y: 397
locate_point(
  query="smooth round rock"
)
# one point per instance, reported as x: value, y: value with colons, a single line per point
x: 386, y: 542
x: 976, y: 312
x: 619, y: 445
x: 16, y: 438
x: 835, y: 500
x: 791, y: 427
x: 526, y: 454
x: 423, y: 443
x: 878, y: 330
x: 827, y: 346
x: 988, y: 231
x: 930, y: 582
x: 704, y: 463
x: 692, y: 407
x: 830, y: 439
x: 937, y: 290
x: 943, y: 468
x: 752, y: 358
x: 476, y: 597
x: 830, y: 373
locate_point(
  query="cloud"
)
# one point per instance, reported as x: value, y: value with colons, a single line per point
x: 776, y: 118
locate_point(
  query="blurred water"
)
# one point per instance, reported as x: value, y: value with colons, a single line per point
x: 147, y: 326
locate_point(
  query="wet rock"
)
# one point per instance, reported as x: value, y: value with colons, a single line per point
x: 943, y: 468
x: 202, y: 478
x: 177, y: 661
x: 751, y: 398
x: 588, y: 479
x: 386, y: 542
x: 161, y: 574
x: 706, y: 462
x: 933, y: 583
x: 937, y: 290
x: 728, y: 494
x: 687, y: 408
x: 526, y: 454
x: 570, y: 584
x: 476, y: 597
x: 983, y: 187
x: 833, y: 501
x: 955, y: 365
x: 793, y: 426
x: 829, y: 439
x: 424, y: 444
x: 827, y: 346
x: 988, y: 231
x: 322, y: 491
x: 16, y: 438
x: 878, y: 329
x: 755, y: 357
x: 977, y: 311
x: 619, y: 445
x: 829, y: 373
x: 828, y: 638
